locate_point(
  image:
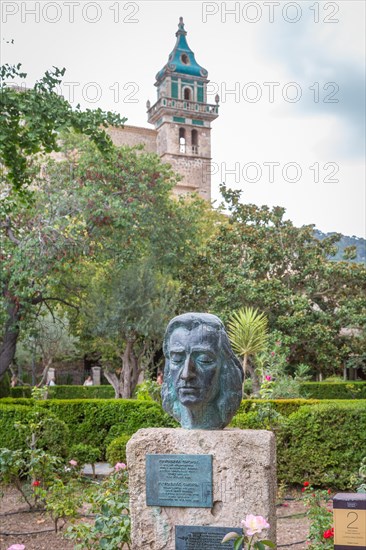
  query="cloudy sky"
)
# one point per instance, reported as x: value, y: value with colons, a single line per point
x: 290, y: 76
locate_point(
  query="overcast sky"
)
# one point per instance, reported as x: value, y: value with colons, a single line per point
x: 290, y: 76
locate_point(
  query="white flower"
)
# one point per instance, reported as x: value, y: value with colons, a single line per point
x: 254, y: 524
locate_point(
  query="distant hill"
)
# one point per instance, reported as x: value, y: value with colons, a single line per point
x: 358, y: 245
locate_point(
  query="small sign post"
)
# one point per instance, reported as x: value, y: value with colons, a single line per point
x: 349, y: 511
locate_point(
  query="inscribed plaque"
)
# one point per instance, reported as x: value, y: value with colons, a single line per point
x: 189, y: 537
x: 179, y: 480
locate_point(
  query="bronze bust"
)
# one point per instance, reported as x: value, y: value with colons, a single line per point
x: 203, y: 378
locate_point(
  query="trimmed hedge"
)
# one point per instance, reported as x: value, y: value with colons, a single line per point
x: 282, y: 406
x: 54, y: 436
x: 323, y: 444
x: 68, y: 392
x: 89, y: 420
x: 334, y: 390
x: 116, y: 450
x: 309, y: 390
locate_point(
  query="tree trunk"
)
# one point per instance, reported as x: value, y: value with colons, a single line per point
x: 245, y: 362
x: 126, y: 371
x: 114, y: 381
x: 255, y: 380
x: 125, y: 384
x: 44, y: 373
x: 11, y: 333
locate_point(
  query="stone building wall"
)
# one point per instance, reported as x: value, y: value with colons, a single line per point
x: 134, y: 135
x: 195, y: 170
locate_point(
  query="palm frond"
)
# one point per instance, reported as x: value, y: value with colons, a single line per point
x: 248, y: 331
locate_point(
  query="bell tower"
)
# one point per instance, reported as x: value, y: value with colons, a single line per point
x: 182, y: 118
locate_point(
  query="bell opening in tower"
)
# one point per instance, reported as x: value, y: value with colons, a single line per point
x: 182, y: 140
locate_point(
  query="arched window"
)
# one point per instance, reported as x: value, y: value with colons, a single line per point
x: 194, y: 138
x: 187, y: 93
x: 182, y: 140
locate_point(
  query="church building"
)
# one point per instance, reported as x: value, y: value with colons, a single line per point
x: 181, y: 118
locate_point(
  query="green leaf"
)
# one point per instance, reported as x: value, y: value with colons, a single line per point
x: 230, y: 536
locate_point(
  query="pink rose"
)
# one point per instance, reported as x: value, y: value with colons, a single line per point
x: 73, y: 462
x: 120, y: 466
x: 273, y: 353
x: 254, y: 524
x: 268, y: 378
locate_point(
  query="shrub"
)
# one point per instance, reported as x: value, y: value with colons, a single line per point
x: 89, y: 421
x: 81, y: 392
x: 5, y: 385
x: 334, y: 390
x: 282, y: 406
x: 21, y: 391
x: 84, y: 454
x: 324, y: 443
x: 116, y: 450
x: 68, y: 392
x: 149, y: 390
x: 18, y: 422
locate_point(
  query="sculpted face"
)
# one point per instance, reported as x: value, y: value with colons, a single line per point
x: 195, y: 364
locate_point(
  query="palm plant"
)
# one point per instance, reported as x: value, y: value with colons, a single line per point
x: 248, y: 333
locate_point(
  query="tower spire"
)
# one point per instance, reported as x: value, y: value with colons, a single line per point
x: 181, y: 29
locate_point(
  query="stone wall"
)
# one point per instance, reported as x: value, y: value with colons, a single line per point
x: 134, y: 135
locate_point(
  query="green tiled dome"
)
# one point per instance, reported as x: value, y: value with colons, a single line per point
x: 182, y: 59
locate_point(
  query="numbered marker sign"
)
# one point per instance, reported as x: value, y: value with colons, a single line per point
x: 349, y: 511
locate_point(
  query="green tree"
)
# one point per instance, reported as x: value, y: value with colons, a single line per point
x: 124, y: 317
x: 248, y: 333
x: 47, y: 339
x: 89, y: 210
x: 31, y: 120
x: 257, y: 258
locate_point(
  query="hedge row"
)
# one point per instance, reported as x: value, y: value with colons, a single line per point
x: 321, y: 442
x: 309, y: 390
x: 334, y: 390
x: 88, y: 420
x: 68, y: 392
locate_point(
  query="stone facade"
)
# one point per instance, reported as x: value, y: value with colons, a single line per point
x: 134, y: 135
x: 244, y: 481
x: 182, y: 119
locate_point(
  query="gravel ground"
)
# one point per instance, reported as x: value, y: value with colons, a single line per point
x: 292, y: 526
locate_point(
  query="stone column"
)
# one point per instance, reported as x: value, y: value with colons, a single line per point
x: 244, y: 481
x: 96, y: 374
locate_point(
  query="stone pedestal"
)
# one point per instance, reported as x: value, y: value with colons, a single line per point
x: 96, y: 375
x: 244, y: 481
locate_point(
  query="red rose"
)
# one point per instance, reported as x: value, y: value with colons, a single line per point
x: 303, y: 489
x: 306, y: 484
x: 329, y: 491
x: 329, y: 533
x: 36, y: 483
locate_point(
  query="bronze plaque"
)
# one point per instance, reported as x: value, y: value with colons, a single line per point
x: 179, y: 480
